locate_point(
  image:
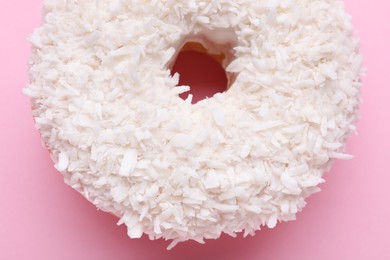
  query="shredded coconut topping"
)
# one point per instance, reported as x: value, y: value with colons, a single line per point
x: 109, y: 111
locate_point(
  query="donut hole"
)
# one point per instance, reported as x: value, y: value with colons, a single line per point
x: 202, y: 71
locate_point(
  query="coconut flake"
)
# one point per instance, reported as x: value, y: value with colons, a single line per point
x: 63, y: 162
x: 290, y: 183
x: 119, y: 193
x: 136, y: 231
x: 183, y: 141
x: 272, y: 220
x: 342, y: 156
x: 129, y: 162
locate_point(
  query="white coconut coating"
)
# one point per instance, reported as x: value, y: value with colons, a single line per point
x: 108, y: 109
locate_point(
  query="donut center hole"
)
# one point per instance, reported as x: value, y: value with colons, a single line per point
x: 202, y: 71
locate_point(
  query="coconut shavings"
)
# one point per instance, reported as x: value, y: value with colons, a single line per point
x: 109, y: 111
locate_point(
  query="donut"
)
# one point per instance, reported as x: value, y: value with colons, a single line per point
x: 108, y: 109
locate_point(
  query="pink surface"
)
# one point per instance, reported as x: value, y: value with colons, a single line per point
x: 206, y: 80
x: 42, y: 218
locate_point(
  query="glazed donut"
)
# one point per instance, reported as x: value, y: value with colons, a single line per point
x: 109, y: 111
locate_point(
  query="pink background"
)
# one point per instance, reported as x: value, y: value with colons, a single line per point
x: 42, y: 218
